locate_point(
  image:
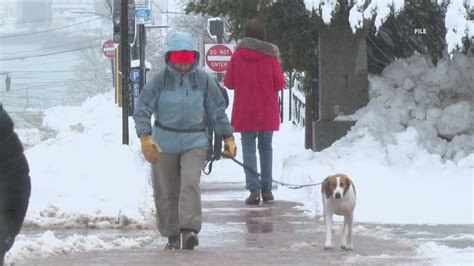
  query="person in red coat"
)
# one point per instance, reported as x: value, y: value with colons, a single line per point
x: 255, y: 75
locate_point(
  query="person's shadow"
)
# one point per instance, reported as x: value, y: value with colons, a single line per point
x: 258, y: 223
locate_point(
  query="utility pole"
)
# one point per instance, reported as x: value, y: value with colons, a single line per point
x: 124, y: 53
x: 8, y: 81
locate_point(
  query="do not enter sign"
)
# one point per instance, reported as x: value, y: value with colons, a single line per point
x: 217, y: 56
x: 108, y: 49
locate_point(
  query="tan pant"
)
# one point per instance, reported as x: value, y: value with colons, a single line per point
x: 175, y: 180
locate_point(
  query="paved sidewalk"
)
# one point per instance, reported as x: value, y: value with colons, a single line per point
x: 276, y: 233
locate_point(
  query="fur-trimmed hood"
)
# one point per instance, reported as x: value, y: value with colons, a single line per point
x: 257, y: 49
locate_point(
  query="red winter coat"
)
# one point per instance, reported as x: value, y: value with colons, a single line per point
x: 255, y: 75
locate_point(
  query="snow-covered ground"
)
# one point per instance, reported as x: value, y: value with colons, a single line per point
x: 410, y: 155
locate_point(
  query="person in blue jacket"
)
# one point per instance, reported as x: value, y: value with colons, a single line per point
x: 180, y: 98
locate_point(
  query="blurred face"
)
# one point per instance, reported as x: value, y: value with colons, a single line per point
x: 183, y: 68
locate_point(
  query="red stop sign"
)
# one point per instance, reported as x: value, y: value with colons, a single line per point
x: 217, y: 57
x: 108, y: 49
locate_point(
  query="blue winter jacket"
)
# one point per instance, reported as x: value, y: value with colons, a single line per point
x: 181, y: 102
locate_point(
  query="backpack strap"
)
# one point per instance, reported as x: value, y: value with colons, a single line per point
x: 196, y: 82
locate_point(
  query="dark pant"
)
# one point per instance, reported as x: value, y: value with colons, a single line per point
x: 13, y: 206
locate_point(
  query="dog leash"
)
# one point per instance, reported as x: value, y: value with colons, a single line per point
x: 290, y: 186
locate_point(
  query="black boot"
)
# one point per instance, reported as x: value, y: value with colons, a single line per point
x: 267, y: 195
x: 253, y: 198
x: 190, y: 239
x: 174, y: 242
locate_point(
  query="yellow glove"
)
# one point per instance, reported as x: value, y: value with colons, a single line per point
x: 150, y: 149
x: 230, y: 149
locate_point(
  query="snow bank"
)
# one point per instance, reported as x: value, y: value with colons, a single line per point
x: 434, y: 103
x: 410, y: 153
x: 84, y: 176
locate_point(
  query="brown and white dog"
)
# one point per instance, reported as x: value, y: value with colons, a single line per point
x: 339, y: 197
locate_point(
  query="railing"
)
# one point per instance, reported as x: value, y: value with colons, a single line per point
x: 297, y: 107
x: 294, y: 104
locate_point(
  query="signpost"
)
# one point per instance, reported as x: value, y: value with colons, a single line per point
x: 125, y: 63
x: 217, y: 56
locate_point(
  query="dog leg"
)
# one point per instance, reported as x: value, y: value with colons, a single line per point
x: 328, y: 220
x: 350, y: 219
x: 344, y: 234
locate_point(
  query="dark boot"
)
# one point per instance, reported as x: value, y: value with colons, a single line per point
x: 267, y: 195
x: 253, y: 198
x: 190, y: 239
x: 174, y: 242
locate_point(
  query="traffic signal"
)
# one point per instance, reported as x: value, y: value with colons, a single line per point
x: 131, y: 21
x: 216, y: 27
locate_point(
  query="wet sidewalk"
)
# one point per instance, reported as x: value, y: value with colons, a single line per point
x: 276, y: 233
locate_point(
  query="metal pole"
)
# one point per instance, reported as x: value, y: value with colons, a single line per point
x: 124, y: 62
x: 282, y: 105
x: 112, y: 64
x: 289, y: 94
x: 142, y: 41
x: 220, y: 76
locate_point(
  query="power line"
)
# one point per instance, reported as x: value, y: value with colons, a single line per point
x: 10, y: 22
x: 86, y: 41
x: 31, y: 33
x: 40, y: 55
x: 52, y: 48
x: 47, y: 85
x: 55, y: 71
x: 53, y: 63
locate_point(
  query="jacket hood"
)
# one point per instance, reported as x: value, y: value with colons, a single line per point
x: 254, y: 49
x: 6, y: 124
x: 178, y: 41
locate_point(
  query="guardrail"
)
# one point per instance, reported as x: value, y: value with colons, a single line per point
x: 297, y: 108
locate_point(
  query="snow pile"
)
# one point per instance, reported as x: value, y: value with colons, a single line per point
x: 406, y: 140
x: 83, y: 176
x: 441, y: 255
x: 429, y: 108
x: 48, y: 245
x: 29, y: 136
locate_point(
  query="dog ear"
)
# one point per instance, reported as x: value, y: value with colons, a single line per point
x: 347, y: 183
x: 326, y: 188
